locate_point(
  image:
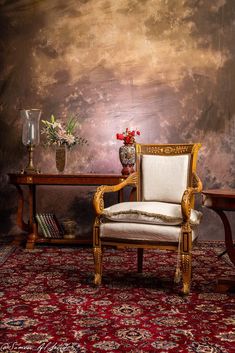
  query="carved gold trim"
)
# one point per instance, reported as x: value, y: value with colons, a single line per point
x: 167, y: 149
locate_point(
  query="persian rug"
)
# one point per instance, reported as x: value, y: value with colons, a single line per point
x: 48, y: 303
x: 220, y: 251
x: 5, y: 251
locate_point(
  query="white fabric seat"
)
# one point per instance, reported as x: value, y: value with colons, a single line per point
x: 149, y: 212
x: 141, y: 232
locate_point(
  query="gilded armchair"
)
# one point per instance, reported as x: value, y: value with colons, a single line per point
x: 163, y: 215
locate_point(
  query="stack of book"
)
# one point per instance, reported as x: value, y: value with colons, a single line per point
x: 49, y: 225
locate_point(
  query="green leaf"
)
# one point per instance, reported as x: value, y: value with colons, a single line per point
x: 71, y: 125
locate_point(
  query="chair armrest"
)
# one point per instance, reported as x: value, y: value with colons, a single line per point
x: 186, y: 201
x: 98, y: 200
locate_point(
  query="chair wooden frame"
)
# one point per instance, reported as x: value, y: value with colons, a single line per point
x: 184, y: 246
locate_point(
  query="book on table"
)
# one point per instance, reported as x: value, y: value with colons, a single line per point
x: 49, y: 225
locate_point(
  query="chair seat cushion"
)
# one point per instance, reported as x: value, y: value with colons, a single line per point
x: 147, y: 212
x: 141, y: 233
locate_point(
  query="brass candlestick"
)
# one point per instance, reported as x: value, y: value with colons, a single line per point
x: 30, y: 169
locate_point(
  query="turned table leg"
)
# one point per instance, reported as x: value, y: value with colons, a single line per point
x: 32, y: 236
x: 225, y: 284
x: 20, y: 221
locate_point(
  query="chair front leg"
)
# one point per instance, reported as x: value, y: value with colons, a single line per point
x: 97, y: 252
x: 186, y: 258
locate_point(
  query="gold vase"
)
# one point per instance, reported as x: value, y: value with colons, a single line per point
x: 60, y: 158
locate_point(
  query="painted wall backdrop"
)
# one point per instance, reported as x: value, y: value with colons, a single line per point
x: 165, y: 67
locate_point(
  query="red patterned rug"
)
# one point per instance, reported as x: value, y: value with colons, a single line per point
x: 5, y: 251
x: 49, y: 304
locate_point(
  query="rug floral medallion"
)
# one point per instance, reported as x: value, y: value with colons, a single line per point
x: 48, y: 303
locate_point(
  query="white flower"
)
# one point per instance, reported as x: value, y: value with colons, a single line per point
x: 70, y: 139
x: 59, y: 133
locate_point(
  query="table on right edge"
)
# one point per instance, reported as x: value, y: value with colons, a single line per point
x: 221, y: 200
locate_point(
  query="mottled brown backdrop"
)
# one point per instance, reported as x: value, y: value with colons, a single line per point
x: 164, y: 67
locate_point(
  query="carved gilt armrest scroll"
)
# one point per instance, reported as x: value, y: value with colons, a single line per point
x: 98, y: 200
x: 187, y: 197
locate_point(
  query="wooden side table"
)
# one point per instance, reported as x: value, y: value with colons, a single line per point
x: 220, y: 200
x: 35, y: 180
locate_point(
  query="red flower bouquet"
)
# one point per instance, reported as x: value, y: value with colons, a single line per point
x: 128, y: 136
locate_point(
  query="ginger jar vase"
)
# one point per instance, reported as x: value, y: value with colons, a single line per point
x: 60, y: 158
x: 127, y: 158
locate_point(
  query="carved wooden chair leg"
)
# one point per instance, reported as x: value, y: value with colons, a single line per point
x: 186, y: 261
x: 97, y: 252
x: 140, y: 253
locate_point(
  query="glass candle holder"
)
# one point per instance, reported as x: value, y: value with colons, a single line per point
x: 30, y: 135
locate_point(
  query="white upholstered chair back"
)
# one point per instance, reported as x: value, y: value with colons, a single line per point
x: 164, y: 178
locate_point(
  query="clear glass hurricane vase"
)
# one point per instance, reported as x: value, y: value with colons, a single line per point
x: 31, y: 131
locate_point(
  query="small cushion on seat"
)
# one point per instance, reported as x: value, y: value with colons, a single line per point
x: 150, y: 213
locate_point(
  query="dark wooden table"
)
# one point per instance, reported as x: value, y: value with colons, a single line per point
x: 34, y: 180
x: 221, y: 200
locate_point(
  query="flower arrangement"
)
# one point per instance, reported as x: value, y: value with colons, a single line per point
x: 59, y: 133
x: 128, y: 136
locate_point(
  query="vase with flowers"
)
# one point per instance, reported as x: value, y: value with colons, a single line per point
x: 63, y: 137
x: 127, y: 151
